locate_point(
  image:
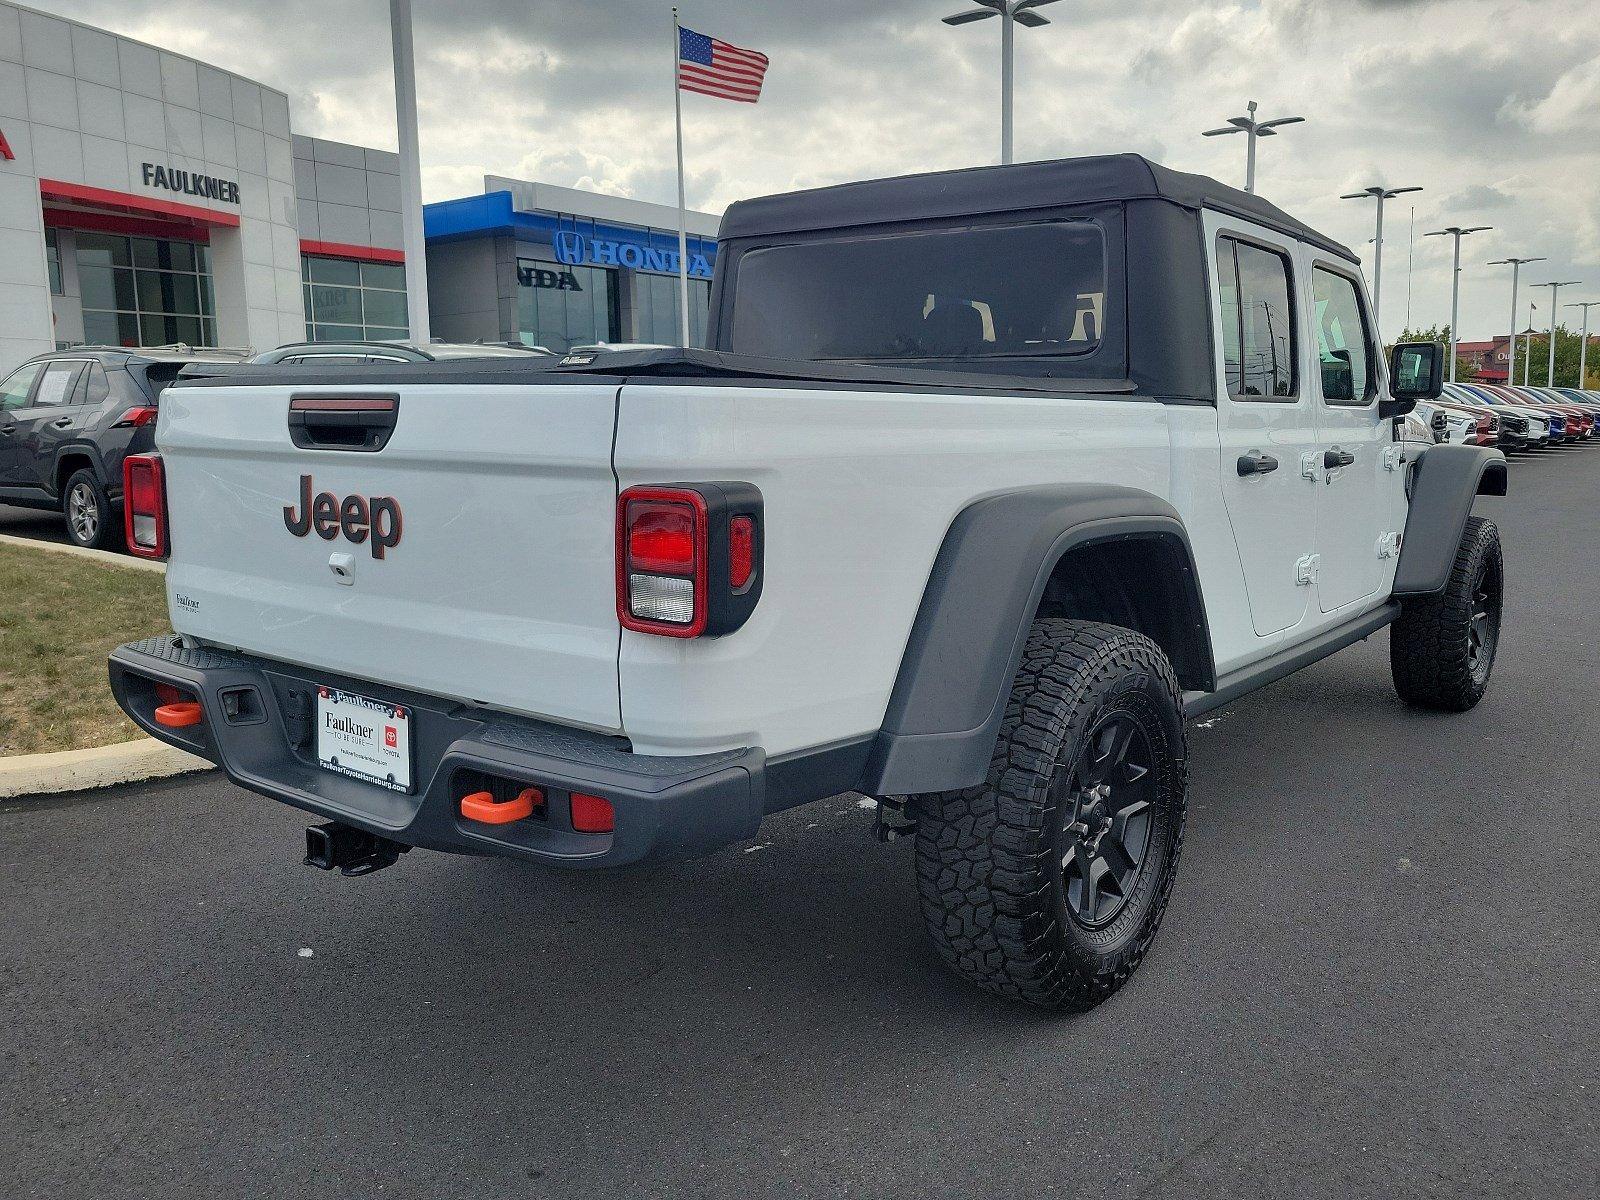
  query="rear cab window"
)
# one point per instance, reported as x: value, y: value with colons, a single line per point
x: 930, y: 297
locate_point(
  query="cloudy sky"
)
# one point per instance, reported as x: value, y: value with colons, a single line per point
x: 1492, y: 107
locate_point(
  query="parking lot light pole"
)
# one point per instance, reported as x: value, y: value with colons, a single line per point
x: 1511, y: 348
x: 1527, y: 343
x: 1555, y: 290
x: 1583, y: 343
x: 1248, y: 124
x: 1455, y: 233
x: 1010, y: 12
x: 411, y: 235
x: 1380, y: 194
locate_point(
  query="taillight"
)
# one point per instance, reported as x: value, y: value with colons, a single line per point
x: 688, y: 558
x: 661, y: 561
x: 137, y: 417
x: 144, y: 505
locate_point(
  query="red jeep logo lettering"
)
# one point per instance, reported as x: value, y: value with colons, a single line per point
x: 373, y: 519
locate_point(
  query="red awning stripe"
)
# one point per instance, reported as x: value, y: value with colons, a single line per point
x: 55, y: 189
x: 346, y: 250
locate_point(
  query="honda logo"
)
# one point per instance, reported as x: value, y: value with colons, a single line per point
x: 571, y: 247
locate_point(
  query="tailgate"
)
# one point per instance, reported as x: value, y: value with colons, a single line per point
x: 474, y: 557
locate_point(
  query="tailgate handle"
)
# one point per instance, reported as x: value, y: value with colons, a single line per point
x: 361, y: 423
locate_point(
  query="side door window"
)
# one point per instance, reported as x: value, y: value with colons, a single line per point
x: 1260, y: 341
x: 1343, y: 344
x: 57, y: 385
x: 14, y: 391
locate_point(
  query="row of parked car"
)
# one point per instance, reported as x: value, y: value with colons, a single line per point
x: 69, y: 418
x: 1512, y: 418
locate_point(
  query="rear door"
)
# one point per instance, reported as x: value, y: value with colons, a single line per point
x: 1359, y: 471
x: 1266, y: 416
x: 470, y: 555
x: 49, y: 418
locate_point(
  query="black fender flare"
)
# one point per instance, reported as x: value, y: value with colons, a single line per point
x: 97, y: 462
x: 966, y: 643
x: 1444, y: 481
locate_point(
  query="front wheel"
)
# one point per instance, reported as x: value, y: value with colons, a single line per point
x: 90, y: 518
x: 1047, y: 881
x: 1442, y: 649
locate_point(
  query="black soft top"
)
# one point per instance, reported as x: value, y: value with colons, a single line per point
x: 1017, y: 188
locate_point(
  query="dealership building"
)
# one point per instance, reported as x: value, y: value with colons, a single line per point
x: 147, y: 198
x: 557, y: 267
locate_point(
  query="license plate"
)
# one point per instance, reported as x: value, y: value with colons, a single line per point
x: 363, y: 738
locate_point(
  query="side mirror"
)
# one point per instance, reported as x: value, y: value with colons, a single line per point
x: 1416, y: 372
x: 1338, y: 377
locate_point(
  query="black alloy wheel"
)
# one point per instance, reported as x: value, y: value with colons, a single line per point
x: 1105, y: 802
x: 1483, y: 627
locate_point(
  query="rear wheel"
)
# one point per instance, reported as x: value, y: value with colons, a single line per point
x: 90, y: 518
x: 1047, y: 881
x: 1442, y: 649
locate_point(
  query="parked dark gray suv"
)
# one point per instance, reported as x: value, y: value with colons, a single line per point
x: 67, y: 420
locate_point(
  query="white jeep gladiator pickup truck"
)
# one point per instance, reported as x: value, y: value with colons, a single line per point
x: 989, y: 480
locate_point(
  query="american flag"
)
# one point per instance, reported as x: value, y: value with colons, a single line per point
x: 714, y: 68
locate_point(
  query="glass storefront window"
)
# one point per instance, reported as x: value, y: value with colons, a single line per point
x: 144, y: 291
x: 350, y: 301
x: 52, y: 253
x: 559, y: 307
x: 655, y: 307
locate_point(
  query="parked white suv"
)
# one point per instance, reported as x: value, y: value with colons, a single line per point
x: 990, y: 480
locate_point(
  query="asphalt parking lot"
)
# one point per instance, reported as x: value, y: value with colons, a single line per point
x: 1378, y: 976
x: 32, y: 523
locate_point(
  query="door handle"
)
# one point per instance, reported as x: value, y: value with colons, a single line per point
x: 1337, y: 458
x: 61, y: 422
x: 1257, y: 463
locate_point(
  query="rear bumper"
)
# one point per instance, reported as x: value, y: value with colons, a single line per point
x: 259, y: 722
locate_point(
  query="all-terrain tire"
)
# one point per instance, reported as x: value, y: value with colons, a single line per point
x: 92, y: 522
x: 1442, y: 649
x: 1002, y: 894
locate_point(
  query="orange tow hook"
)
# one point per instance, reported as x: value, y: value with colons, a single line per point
x: 176, y: 716
x: 482, y: 806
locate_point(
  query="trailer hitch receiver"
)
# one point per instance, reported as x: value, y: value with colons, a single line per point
x: 351, y: 851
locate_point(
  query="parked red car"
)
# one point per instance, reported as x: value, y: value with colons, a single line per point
x: 1580, y: 424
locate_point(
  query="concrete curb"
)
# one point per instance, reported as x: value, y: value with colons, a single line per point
x: 80, y: 770
x: 105, y: 556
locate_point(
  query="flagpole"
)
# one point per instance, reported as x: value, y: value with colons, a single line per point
x: 683, y: 228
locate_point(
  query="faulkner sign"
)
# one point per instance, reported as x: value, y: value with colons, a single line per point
x: 188, y: 183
